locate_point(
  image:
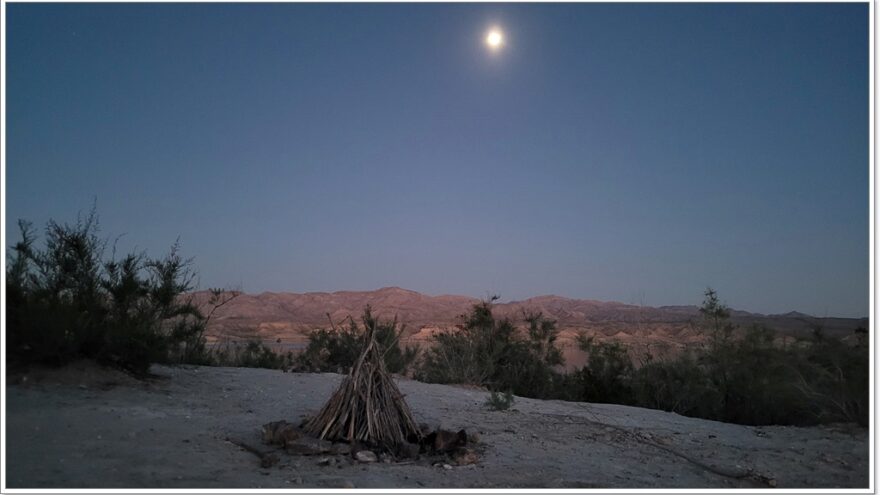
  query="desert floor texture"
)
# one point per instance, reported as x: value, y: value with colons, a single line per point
x: 86, y: 427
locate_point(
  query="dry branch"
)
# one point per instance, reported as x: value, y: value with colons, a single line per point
x: 367, y: 407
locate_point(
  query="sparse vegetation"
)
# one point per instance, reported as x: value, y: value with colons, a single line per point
x: 337, y: 349
x: 252, y: 354
x: 67, y: 301
x: 740, y: 376
x: 498, y: 401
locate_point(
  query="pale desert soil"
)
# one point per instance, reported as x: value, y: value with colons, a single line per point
x: 87, y: 428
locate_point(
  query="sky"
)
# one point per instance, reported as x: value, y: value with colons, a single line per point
x: 628, y: 152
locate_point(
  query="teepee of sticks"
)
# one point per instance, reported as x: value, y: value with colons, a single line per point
x: 367, y: 407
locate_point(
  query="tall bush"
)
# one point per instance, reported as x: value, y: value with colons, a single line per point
x: 67, y: 300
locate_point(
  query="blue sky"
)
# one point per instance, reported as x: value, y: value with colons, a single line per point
x: 630, y: 152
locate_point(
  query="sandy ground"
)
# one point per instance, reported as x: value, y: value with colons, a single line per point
x: 88, y: 428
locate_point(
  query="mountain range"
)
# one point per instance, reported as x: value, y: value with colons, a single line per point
x: 286, y: 318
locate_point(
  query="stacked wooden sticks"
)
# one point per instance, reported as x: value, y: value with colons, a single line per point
x: 367, y: 407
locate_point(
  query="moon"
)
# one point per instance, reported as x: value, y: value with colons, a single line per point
x: 494, y: 39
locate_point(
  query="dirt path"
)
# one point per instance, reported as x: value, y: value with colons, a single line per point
x: 87, y: 428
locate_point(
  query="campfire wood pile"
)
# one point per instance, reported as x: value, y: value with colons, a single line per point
x: 367, y: 408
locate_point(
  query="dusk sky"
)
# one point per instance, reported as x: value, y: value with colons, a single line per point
x: 627, y: 152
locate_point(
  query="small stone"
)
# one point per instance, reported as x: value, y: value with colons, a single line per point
x: 447, y: 467
x: 366, y: 456
x: 347, y: 484
x: 771, y: 483
x: 324, y: 461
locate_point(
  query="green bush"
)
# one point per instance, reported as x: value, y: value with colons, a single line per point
x: 607, y: 374
x: 337, y: 349
x: 748, y: 379
x: 498, y: 401
x: 66, y: 301
x: 490, y: 353
x: 739, y: 376
x: 835, y: 379
x: 679, y: 385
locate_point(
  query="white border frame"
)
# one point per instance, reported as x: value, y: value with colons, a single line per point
x: 872, y: 268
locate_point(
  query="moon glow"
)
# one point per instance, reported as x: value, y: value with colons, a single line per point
x: 494, y: 39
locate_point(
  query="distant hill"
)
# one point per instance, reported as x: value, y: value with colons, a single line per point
x: 287, y: 317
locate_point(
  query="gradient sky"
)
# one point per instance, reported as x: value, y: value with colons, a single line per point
x: 624, y: 152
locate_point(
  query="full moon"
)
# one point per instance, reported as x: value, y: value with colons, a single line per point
x: 494, y: 39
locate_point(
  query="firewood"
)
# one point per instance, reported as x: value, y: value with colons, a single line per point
x: 367, y: 407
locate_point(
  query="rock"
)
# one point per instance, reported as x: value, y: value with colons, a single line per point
x: 447, y: 467
x: 325, y: 461
x: 474, y: 437
x: 347, y: 484
x: 446, y: 441
x: 280, y: 433
x: 466, y: 457
x: 366, y: 456
x: 771, y: 483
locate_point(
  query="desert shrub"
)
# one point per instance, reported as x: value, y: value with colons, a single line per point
x: 834, y: 379
x: 607, y: 375
x: 678, y: 385
x: 748, y: 379
x: 331, y: 350
x: 337, y: 349
x: 498, y: 401
x: 67, y: 300
x: 755, y: 381
x: 253, y: 354
x: 489, y: 352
